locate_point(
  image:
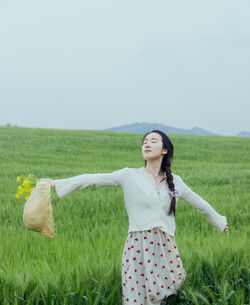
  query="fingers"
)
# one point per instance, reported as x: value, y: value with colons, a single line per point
x: 50, y: 181
x: 226, y: 230
x: 52, y: 184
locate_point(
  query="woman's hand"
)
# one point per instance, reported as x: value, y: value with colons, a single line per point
x: 226, y: 230
x: 51, y: 182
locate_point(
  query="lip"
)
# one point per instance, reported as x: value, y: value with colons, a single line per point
x: 147, y: 150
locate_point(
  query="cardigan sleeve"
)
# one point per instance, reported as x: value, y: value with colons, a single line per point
x: 66, y: 186
x: 216, y: 220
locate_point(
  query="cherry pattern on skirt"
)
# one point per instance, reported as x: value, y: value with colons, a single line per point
x: 151, y: 267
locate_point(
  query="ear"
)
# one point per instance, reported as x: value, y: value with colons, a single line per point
x: 164, y: 151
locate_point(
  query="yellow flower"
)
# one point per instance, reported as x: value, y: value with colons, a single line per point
x: 26, y: 187
x: 26, y: 182
x: 20, y: 190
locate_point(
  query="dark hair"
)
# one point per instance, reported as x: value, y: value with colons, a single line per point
x: 166, y: 164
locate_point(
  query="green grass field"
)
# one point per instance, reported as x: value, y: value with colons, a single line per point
x: 82, y: 265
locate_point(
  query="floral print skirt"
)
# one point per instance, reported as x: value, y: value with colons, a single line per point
x: 151, y: 267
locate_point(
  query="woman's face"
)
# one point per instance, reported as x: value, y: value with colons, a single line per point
x: 152, y: 146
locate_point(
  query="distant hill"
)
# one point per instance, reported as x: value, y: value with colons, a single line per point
x: 243, y: 134
x: 145, y: 127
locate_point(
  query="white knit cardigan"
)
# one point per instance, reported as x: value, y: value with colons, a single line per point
x: 146, y: 208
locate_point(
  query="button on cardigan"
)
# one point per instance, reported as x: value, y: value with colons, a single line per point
x: 146, y: 208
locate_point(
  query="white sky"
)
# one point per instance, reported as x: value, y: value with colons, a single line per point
x: 99, y: 64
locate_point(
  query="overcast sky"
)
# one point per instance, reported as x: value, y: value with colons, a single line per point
x: 99, y: 64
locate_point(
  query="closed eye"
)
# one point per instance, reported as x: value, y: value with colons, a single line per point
x: 152, y: 142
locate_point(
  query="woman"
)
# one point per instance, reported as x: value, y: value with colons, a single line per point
x: 152, y: 269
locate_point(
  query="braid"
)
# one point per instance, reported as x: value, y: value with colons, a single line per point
x: 165, y: 166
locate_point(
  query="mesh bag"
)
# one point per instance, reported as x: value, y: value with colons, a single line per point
x: 37, y: 212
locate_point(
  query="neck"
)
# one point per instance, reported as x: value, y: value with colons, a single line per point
x: 154, y: 168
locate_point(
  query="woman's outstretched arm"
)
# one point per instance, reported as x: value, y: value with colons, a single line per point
x: 68, y: 185
x: 218, y: 221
